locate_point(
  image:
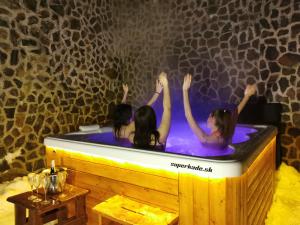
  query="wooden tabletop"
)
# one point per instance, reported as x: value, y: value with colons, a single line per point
x: 56, y: 200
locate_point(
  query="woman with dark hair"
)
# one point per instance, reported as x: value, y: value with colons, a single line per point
x: 122, y: 124
x: 122, y: 120
x: 221, y: 121
x: 146, y: 134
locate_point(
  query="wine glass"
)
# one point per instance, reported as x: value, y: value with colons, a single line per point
x: 36, y: 184
x: 45, y: 180
x: 30, y: 180
x: 62, y: 176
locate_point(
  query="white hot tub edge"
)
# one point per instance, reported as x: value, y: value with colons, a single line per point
x: 171, y: 162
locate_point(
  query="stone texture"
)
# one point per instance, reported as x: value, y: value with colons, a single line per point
x: 3, y: 57
x: 36, y: 99
x: 31, y: 4
x: 289, y: 59
x: 14, y: 57
x: 63, y: 62
x: 271, y: 53
x: 3, y: 23
x: 58, y: 8
x: 75, y: 24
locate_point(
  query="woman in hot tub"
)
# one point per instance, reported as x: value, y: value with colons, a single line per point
x: 146, y: 134
x: 122, y: 124
x: 221, y: 121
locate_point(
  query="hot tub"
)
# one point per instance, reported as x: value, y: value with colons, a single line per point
x: 204, y: 185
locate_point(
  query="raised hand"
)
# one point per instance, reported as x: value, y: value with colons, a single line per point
x: 187, y: 82
x: 250, y: 90
x: 158, y: 87
x: 125, y: 88
x: 163, y: 79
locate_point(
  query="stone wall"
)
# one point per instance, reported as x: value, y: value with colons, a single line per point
x: 279, y: 66
x: 225, y: 44
x: 58, y: 70
x: 62, y: 62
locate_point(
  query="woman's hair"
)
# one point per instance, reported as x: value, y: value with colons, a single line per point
x: 223, y: 123
x: 145, y: 128
x: 121, y: 117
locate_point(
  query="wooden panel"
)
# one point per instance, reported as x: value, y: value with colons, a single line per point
x: 102, y: 188
x: 201, y: 201
x: 258, y: 204
x: 243, y: 200
x: 255, y: 184
x: 127, y: 175
x: 260, y: 220
x: 260, y: 185
x: 99, y: 185
x: 233, y: 201
x: 127, y: 211
x: 124, y: 175
x: 258, y: 164
x: 52, y: 153
x: 217, y: 201
x: 257, y: 193
x: 186, y: 199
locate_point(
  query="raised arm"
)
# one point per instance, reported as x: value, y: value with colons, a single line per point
x: 125, y: 90
x: 165, y: 123
x: 249, y: 91
x: 158, y: 89
x: 202, y: 136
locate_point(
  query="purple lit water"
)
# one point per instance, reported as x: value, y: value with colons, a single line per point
x: 181, y: 140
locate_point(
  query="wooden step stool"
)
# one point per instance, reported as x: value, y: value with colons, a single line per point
x: 126, y: 211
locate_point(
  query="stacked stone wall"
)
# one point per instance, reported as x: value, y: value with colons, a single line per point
x: 57, y: 71
x: 225, y: 44
x: 62, y: 62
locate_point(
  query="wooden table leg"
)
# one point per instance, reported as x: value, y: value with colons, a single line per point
x: 34, y: 218
x: 20, y: 215
x: 100, y: 220
x: 80, y: 208
x: 62, y: 214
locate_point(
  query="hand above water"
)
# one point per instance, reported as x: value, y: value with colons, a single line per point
x: 250, y: 90
x: 158, y: 87
x: 163, y: 80
x: 125, y: 88
x: 187, y: 82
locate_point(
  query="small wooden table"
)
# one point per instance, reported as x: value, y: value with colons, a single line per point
x: 57, y: 209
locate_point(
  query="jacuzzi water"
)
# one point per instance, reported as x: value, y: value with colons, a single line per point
x: 181, y: 140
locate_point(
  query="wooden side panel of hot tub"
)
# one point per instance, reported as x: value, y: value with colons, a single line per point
x: 259, y: 186
x: 241, y: 200
x: 106, y: 178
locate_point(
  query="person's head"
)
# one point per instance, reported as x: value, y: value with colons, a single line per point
x: 121, y: 117
x: 220, y: 119
x: 145, y: 127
